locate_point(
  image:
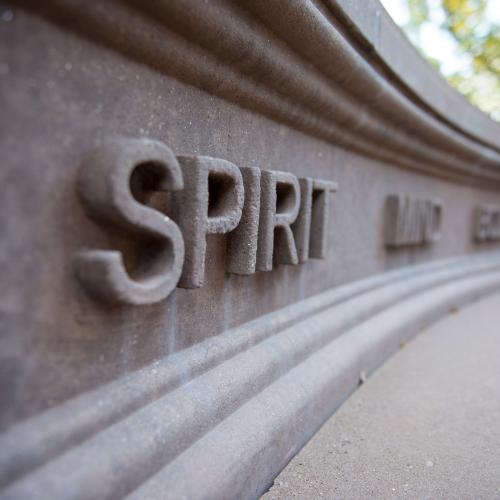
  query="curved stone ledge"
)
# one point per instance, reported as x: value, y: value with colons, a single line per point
x: 264, y: 138
x: 292, y: 61
x: 81, y: 417
x: 419, y: 419
x: 377, y: 30
x: 257, y: 392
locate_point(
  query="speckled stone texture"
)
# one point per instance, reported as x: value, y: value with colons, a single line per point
x: 72, y: 82
x: 103, y: 399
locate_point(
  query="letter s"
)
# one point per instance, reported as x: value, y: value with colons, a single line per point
x: 104, y: 186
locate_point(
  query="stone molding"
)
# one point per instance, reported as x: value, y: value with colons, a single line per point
x: 295, y: 366
x: 295, y: 62
x: 375, y: 28
x: 208, y: 393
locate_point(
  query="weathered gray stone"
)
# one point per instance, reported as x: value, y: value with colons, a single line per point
x: 487, y: 224
x: 302, y: 226
x: 312, y: 224
x: 242, y: 242
x: 105, y: 187
x: 210, y: 203
x: 209, y: 392
x: 412, y: 221
x: 279, y: 207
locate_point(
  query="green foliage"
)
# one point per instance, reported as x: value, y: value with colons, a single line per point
x: 475, y: 35
x: 419, y: 11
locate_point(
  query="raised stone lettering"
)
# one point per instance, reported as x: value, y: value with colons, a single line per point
x: 302, y: 226
x: 310, y: 228
x: 242, y: 242
x: 105, y: 188
x: 487, y: 224
x: 432, y: 226
x: 211, y: 202
x: 412, y: 221
x: 279, y: 207
x: 270, y: 218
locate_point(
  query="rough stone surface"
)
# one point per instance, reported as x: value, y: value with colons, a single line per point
x: 279, y: 207
x: 104, y: 185
x: 302, y: 226
x: 242, y: 242
x: 426, y: 425
x: 412, y: 221
x: 311, y: 228
x: 75, y: 80
x: 487, y: 224
x: 320, y: 218
x: 286, y: 86
x: 394, y: 48
x: 210, y: 203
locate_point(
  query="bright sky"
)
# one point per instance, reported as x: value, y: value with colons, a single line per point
x: 434, y: 41
x: 437, y: 43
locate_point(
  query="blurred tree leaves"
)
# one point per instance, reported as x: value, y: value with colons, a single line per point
x: 419, y: 12
x: 476, y: 35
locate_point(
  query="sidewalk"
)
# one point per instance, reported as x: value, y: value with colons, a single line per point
x: 425, y: 425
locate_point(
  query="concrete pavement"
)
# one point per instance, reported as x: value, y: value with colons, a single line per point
x: 425, y: 425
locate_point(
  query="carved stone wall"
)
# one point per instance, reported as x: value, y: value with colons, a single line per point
x: 200, y: 254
